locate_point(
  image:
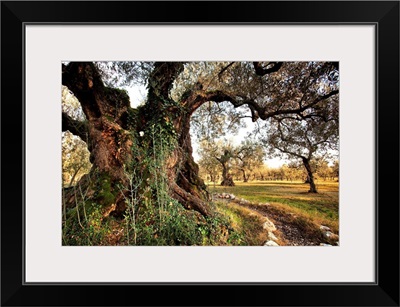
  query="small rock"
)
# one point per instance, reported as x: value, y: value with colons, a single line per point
x: 324, y: 244
x: 324, y: 228
x: 271, y: 236
x: 269, y: 225
x: 331, y: 235
x: 271, y: 243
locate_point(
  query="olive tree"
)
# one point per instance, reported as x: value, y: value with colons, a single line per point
x: 122, y: 139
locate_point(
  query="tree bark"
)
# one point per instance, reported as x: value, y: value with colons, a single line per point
x: 310, y: 175
x: 113, y: 129
x: 186, y: 185
x: 109, y: 141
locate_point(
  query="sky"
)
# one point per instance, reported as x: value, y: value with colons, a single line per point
x: 137, y: 94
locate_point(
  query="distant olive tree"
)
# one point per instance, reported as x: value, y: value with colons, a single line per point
x: 248, y: 156
x: 302, y: 139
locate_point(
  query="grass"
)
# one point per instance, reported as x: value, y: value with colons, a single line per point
x: 292, y: 197
x: 246, y: 225
x: 230, y: 223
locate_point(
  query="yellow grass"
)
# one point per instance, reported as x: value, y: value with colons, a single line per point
x: 321, y: 208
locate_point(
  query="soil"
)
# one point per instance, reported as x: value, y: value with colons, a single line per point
x: 288, y: 231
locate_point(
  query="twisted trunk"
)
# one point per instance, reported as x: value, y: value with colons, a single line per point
x: 183, y: 172
x: 109, y: 140
x: 113, y: 128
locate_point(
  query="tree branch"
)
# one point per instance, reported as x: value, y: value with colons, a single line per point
x: 83, y: 79
x: 261, y: 71
x: 162, y: 78
x: 289, y: 152
x: 76, y: 127
x: 199, y: 97
x: 224, y: 69
x: 300, y: 109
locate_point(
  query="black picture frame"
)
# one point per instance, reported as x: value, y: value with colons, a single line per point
x: 383, y: 14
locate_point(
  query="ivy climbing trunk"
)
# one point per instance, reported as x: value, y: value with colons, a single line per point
x: 173, y: 119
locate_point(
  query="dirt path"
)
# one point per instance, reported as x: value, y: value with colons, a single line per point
x: 289, y: 230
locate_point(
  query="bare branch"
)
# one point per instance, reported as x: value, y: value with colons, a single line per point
x: 224, y: 69
x: 261, y: 71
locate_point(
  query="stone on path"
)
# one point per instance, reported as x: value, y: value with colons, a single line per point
x: 271, y: 243
x: 324, y: 228
x: 269, y: 225
x: 271, y: 236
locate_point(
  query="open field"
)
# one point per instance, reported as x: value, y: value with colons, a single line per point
x: 292, y: 197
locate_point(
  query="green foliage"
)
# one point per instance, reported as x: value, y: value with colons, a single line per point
x: 152, y: 216
x: 244, y: 229
x: 116, y: 94
x: 132, y: 119
x: 105, y: 193
x: 85, y: 225
x: 221, y: 231
x: 171, y: 225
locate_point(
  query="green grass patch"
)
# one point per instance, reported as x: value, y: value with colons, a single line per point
x: 246, y: 226
x: 322, y: 207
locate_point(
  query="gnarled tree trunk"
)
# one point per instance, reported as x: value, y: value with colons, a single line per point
x: 113, y: 129
x: 109, y: 140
